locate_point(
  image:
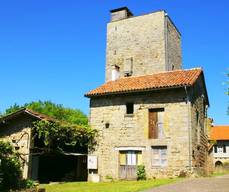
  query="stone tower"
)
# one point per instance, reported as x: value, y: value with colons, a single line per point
x: 141, y: 45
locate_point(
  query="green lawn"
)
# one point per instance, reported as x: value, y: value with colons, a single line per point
x: 117, y: 186
x: 220, y: 173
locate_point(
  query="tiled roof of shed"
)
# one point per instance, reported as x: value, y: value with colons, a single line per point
x: 27, y: 111
x: 220, y: 133
x: 170, y: 79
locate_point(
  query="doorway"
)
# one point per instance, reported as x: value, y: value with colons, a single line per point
x: 128, y: 162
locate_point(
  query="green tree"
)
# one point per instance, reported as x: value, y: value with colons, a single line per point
x: 10, y: 167
x: 59, y: 137
x: 12, y: 109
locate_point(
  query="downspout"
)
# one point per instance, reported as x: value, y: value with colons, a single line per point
x: 189, y: 128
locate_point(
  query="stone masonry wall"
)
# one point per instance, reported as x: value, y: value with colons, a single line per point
x: 173, y: 46
x: 125, y: 130
x: 199, y: 130
x: 18, y: 132
x: 151, y: 40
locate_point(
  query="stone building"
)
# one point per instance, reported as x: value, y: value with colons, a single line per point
x: 220, y: 135
x: 17, y: 129
x: 150, y: 111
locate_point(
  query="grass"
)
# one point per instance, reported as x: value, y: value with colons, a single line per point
x: 219, y: 173
x: 116, y: 186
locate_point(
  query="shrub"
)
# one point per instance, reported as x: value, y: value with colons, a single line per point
x: 182, y: 174
x: 141, y: 173
x: 109, y: 177
x: 27, y: 184
x: 10, y: 167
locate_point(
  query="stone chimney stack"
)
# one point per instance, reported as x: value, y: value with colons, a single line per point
x: 120, y: 13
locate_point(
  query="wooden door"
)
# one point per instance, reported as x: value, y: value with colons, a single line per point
x: 153, y: 119
x: 128, y: 164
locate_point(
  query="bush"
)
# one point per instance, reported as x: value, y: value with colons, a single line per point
x: 10, y: 167
x: 182, y: 174
x: 27, y: 184
x: 141, y: 173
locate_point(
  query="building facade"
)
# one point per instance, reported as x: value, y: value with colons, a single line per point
x: 220, y: 136
x: 150, y: 111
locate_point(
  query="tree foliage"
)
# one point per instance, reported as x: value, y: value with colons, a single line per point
x: 69, y: 132
x: 10, y: 167
x: 57, y: 111
x: 59, y: 137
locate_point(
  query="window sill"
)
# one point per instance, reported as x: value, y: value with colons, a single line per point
x: 129, y: 115
x: 159, y: 167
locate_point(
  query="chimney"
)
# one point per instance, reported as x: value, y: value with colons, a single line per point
x: 120, y: 13
x: 115, y: 72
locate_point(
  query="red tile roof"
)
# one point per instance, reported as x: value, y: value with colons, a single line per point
x: 170, y: 79
x: 219, y: 133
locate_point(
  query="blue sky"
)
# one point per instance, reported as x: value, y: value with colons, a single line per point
x: 55, y: 50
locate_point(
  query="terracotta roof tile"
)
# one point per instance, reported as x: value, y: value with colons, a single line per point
x: 28, y: 111
x: 219, y: 133
x: 169, y: 79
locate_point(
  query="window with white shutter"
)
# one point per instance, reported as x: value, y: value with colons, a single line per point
x: 159, y: 156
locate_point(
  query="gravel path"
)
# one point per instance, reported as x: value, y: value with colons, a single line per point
x: 214, y: 184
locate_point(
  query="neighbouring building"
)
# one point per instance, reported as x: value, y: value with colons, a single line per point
x: 17, y: 129
x: 220, y: 138
x: 150, y: 111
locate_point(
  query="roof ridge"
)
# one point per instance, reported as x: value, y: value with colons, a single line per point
x: 165, y: 79
x: 162, y: 72
x: 221, y: 126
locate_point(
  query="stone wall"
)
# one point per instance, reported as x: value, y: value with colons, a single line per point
x: 18, y: 132
x: 125, y: 130
x: 199, y: 128
x: 151, y: 41
x: 173, y: 46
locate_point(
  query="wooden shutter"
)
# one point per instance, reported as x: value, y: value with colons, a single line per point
x: 122, y: 158
x: 139, y: 157
x: 153, y: 119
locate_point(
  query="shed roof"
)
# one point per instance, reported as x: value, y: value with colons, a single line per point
x: 26, y: 111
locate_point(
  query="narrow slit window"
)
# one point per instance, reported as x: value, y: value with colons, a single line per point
x: 129, y: 108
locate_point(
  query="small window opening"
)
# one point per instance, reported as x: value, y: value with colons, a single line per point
x: 215, y: 149
x: 224, y: 149
x: 173, y: 67
x: 129, y: 108
x: 107, y: 125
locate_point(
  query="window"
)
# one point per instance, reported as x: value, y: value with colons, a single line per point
x: 159, y: 156
x: 128, y: 67
x: 129, y: 108
x: 224, y: 149
x: 156, y: 119
x: 197, y: 118
x: 215, y: 149
x: 130, y: 158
